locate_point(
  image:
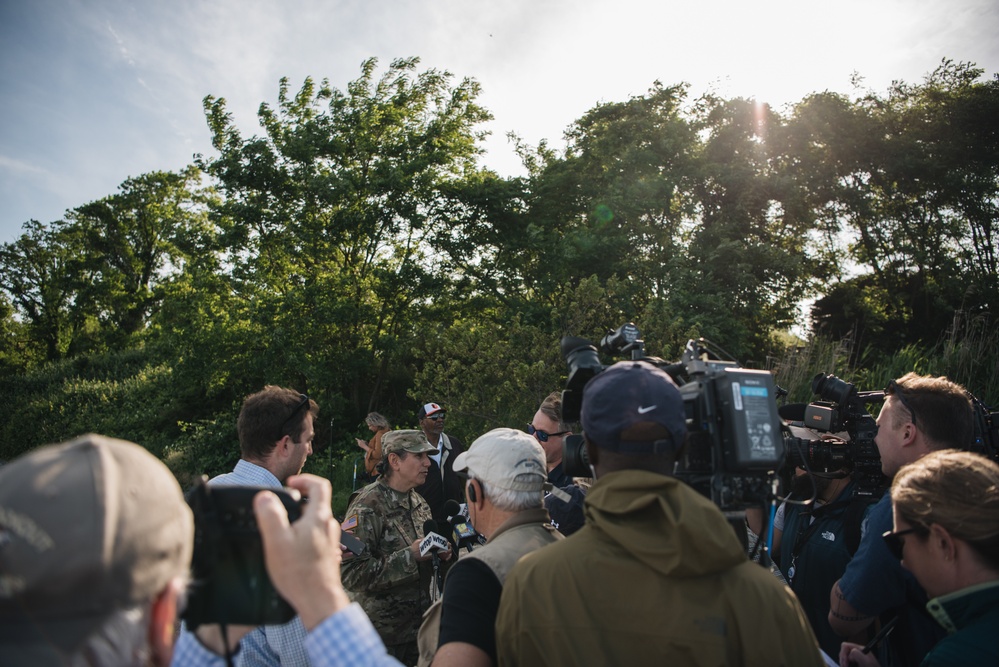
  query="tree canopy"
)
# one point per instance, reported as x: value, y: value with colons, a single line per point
x: 357, y: 250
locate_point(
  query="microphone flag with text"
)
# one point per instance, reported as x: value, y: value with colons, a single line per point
x: 433, y: 544
x: 462, y: 531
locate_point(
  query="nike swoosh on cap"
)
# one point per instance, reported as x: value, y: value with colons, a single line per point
x: 642, y: 411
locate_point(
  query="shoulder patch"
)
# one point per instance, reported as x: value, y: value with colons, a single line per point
x: 350, y: 523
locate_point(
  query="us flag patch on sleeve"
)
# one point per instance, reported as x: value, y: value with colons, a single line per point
x: 350, y: 523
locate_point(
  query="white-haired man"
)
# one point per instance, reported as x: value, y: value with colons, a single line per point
x: 506, y: 473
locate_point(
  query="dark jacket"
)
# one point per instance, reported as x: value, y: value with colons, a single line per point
x: 437, y: 491
x: 971, y: 616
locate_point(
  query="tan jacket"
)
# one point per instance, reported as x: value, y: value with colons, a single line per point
x: 656, y: 576
x: 520, y: 534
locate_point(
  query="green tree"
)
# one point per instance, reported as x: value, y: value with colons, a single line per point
x: 913, y: 177
x: 329, y: 225
x: 42, y: 275
x: 135, y: 242
x: 750, y: 263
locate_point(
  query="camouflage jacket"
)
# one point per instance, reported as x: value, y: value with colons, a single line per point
x: 388, y: 583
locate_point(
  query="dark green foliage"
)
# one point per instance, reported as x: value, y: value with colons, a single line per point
x: 122, y: 395
x: 357, y: 252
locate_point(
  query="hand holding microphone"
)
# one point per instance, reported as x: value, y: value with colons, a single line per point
x: 433, y: 545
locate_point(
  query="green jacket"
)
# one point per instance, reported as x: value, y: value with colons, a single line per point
x: 656, y: 576
x: 392, y: 587
x: 971, y: 616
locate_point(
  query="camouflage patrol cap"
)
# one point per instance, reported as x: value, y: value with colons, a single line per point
x: 414, y: 442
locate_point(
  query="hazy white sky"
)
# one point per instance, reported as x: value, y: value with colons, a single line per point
x: 95, y: 91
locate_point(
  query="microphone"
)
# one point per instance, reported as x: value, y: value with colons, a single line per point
x: 462, y: 531
x: 452, y: 509
x: 432, y: 544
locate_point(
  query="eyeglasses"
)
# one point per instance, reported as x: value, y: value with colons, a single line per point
x: 895, y: 544
x: 298, y: 408
x: 437, y: 417
x: 897, y: 390
x: 542, y: 436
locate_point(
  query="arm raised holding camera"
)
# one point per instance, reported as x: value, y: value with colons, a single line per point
x: 303, y: 561
x: 303, y: 558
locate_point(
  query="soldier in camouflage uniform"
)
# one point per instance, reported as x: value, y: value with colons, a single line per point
x: 390, y: 580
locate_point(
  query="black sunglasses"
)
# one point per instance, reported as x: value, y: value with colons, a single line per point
x: 895, y: 544
x: 897, y: 390
x: 298, y: 408
x: 542, y: 435
x: 437, y: 417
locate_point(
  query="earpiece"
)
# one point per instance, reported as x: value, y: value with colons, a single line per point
x: 471, y: 492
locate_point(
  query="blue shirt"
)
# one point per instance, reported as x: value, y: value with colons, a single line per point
x: 268, y: 645
x: 876, y: 584
x: 345, y: 639
x: 247, y: 474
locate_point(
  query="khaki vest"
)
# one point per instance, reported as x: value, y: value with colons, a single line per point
x: 520, y: 534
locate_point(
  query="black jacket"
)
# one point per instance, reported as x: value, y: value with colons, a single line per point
x: 437, y: 491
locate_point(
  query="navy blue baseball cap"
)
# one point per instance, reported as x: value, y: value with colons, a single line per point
x: 634, y: 407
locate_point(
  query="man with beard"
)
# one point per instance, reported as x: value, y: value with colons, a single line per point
x: 810, y: 544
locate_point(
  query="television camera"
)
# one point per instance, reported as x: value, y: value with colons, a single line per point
x: 738, y: 438
x: 734, y: 431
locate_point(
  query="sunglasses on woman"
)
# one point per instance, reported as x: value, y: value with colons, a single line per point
x: 542, y: 436
x: 894, y: 542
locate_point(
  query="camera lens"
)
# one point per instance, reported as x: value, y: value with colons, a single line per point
x: 575, y: 461
x: 832, y: 388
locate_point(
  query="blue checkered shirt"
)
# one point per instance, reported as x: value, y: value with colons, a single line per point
x: 345, y: 639
x: 268, y: 645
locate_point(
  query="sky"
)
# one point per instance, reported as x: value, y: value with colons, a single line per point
x: 93, y: 92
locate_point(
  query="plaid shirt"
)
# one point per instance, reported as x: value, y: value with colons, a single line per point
x: 268, y: 645
x: 345, y: 639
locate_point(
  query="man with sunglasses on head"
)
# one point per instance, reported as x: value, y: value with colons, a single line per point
x: 275, y: 427
x: 442, y: 483
x: 921, y: 414
x: 547, y: 427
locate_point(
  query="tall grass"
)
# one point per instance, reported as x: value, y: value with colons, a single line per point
x: 968, y: 354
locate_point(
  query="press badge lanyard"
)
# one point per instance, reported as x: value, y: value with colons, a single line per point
x: 803, y: 535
